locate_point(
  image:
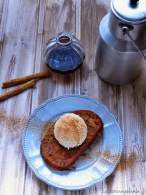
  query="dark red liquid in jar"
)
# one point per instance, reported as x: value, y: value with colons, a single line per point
x: 64, y: 39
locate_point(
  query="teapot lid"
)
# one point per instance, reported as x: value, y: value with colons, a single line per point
x: 133, y: 11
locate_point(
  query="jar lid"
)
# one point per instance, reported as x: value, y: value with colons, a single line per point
x: 133, y: 11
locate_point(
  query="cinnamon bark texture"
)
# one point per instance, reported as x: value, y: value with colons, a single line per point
x: 24, y: 79
x: 18, y: 90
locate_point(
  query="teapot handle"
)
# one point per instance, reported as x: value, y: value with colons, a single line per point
x: 126, y: 30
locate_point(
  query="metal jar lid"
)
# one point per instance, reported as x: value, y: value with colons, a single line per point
x: 133, y: 11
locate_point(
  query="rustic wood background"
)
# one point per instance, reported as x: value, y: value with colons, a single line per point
x: 25, y: 26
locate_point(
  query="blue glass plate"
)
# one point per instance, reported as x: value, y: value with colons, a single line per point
x: 98, y: 162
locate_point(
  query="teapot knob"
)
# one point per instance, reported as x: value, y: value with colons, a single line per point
x: 134, y: 2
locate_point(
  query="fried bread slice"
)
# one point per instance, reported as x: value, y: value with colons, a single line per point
x: 60, y: 157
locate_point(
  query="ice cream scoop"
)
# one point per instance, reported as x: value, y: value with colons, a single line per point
x: 70, y: 130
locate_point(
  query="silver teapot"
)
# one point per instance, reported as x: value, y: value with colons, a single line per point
x: 122, y: 40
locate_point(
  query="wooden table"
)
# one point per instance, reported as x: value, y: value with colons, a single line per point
x: 25, y: 26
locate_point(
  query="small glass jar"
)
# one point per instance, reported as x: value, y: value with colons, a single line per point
x: 64, y: 53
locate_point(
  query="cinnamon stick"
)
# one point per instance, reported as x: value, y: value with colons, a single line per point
x: 17, y: 90
x: 24, y: 79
